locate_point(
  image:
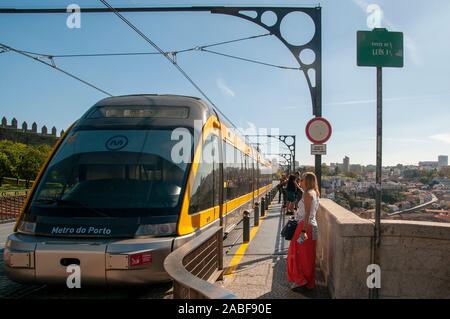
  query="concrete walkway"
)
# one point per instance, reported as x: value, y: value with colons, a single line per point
x: 257, y: 270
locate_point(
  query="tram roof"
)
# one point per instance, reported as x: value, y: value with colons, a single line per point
x: 152, y: 100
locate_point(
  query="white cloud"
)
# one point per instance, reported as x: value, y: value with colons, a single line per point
x: 224, y: 88
x: 444, y: 137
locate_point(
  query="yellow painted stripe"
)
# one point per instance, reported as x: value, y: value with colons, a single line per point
x: 235, y: 261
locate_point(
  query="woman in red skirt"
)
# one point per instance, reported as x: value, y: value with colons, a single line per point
x: 302, y: 249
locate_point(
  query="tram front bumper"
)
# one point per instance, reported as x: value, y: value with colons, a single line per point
x: 32, y: 259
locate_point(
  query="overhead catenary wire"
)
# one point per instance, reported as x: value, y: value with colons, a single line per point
x: 251, y: 60
x: 166, y: 55
x: 154, y: 45
x: 52, y: 65
x: 202, y: 48
x: 195, y: 48
x: 237, y: 40
x: 173, y: 53
x: 170, y: 55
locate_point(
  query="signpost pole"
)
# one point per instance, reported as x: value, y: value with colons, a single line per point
x: 379, y: 153
x: 379, y: 48
x: 379, y: 172
x: 318, y: 166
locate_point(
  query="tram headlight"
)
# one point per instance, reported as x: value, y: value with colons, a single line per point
x: 27, y: 227
x: 157, y: 229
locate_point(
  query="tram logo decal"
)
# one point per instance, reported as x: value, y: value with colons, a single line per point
x: 81, y: 230
x: 116, y: 143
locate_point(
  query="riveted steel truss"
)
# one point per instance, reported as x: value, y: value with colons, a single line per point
x: 288, y: 140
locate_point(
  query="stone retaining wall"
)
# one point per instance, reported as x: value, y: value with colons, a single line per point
x: 414, y: 256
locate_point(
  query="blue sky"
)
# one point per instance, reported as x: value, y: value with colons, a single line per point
x: 417, y: 97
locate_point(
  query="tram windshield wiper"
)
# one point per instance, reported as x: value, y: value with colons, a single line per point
x: 71, y: 203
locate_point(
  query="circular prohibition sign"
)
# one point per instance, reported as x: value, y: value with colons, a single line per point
x: 318, y: 130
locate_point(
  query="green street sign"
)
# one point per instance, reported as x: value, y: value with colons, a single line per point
x: 380, y: 48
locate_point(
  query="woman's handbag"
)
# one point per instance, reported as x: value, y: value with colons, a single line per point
x: 288, y: 230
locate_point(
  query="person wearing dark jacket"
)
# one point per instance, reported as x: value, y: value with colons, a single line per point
x: 291, y: 189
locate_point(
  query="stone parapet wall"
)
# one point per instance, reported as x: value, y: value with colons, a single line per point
x: 415, y: 259
x: 414, y: 256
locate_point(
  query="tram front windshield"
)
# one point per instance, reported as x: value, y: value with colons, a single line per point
x: 113, y: 173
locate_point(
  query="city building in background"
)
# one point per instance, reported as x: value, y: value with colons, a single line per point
x: 346, y: 164
x: 442, y: 161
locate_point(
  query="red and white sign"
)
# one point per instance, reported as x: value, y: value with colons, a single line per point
x: 140, y: 259
x: 318, y: 130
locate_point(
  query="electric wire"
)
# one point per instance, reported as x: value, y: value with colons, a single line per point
x: 167, y: 56
x: 170, y: 55
x: 251, y: 60
x: 52, y: 65
x: 202, y: 48
x: 154, y: 45
x: 196, y: 48
x: 236, y: 40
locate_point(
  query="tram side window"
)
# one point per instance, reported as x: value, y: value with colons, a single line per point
x: 257, y: 176
x: 229, y: 159
x: 231, y: 172
x: 241, y: 174
x: 202, y: 193
x: 251, y: 177
x: 248, y: 175
x: 217, y: 173
x: 266, y: 175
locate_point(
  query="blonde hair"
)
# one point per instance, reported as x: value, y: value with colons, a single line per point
x: 311, y: 182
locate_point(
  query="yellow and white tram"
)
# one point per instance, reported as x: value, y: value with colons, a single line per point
x: 133, y: 179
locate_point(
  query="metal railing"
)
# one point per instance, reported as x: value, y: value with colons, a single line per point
x: 195, y: 266
x: 11, y: 204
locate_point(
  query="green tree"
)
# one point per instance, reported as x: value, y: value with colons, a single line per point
x: 21, y: 161
x: 14, y: 152
x: 5, y: 166
x: 337, y: 170
x: 425, y: 180
x: 44, y: 149
x: 411, y: 173
x: 350, y: 174
x: 444, y: 172
x: 30, y: 162
x: 325, y: 170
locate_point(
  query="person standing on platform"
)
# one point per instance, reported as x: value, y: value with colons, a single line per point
x: 291, y: 189
x: 302, y: 248
x: 280, y: 187
x: 299, y: 193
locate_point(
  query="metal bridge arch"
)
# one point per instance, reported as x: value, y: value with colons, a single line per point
x: 315, y: 44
